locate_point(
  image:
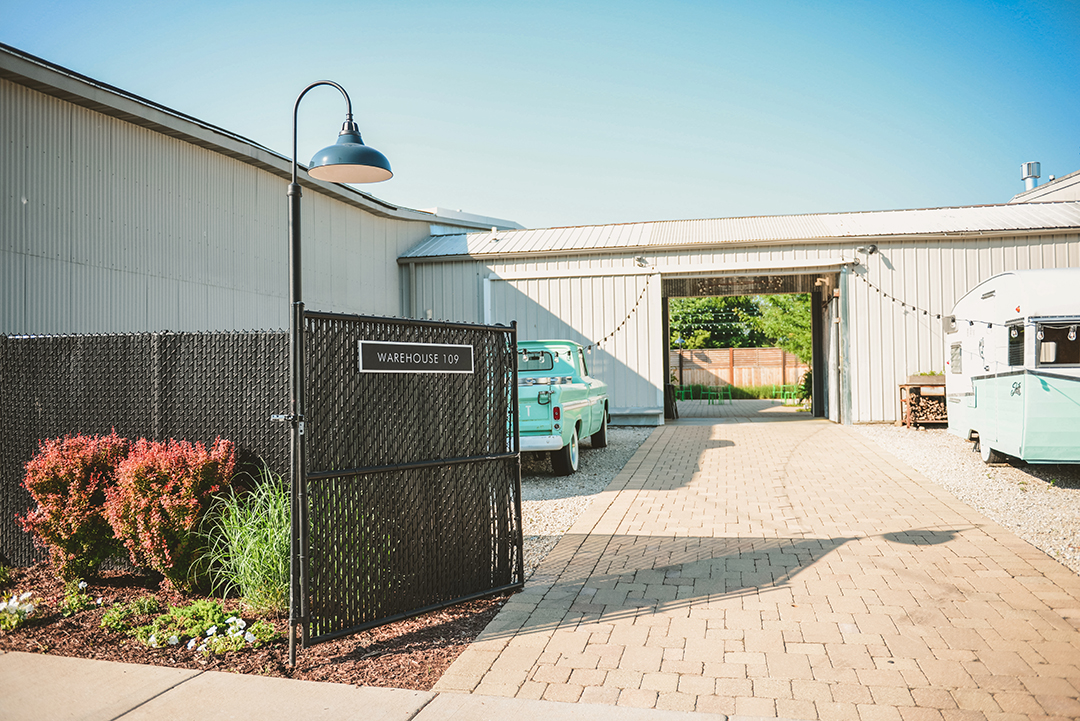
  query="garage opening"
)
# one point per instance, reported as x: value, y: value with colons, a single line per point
x: 690, y: 328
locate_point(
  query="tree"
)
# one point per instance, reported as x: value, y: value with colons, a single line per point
x: 785, y: 319
x: 714, y: 323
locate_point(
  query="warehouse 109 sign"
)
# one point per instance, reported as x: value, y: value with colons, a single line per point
x: 384, y: 357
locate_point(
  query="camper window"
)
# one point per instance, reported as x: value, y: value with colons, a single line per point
x: 1058, y: 344
x: 1016, y: 344
x: 955, y: 356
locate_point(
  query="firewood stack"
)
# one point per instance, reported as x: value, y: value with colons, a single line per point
x: 927, y: 409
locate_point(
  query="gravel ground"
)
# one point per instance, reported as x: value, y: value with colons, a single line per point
x: 550, y: 504
x: 1039, y: 503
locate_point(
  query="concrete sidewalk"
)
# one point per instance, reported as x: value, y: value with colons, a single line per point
x: 786, y: 570
x: 735, y: 568
x: 38, y: 687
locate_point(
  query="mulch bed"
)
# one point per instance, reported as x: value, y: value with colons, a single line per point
x: 410, y: 654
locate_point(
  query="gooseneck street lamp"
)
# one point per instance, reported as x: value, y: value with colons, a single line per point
x: 346, y: 161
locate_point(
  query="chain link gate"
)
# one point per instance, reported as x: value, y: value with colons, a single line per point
x: 411, y: 494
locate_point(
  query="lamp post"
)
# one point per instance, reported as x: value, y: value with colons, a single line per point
x: 347, y: 161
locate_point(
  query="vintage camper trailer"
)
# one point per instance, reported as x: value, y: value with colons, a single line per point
x: 1013, y: 366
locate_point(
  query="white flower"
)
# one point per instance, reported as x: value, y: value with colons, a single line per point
x: 191, y: 644
x: 241, y: 624
x: 212, y: 631
x: 100, y: 600
x: 249, y: 637
x: 201, y: 648
x: 152, y: 641
x: 26, y: 595
x: 29, y: 608
x: 82, y: 585
x: 231, y: 619
x: 173, y: 640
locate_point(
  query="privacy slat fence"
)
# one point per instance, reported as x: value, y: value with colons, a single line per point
x: 413, y: 484
x: 413, y: 480
x: 192, y: 386
x: 740, y: 367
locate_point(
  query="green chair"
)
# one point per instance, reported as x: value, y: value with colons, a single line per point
x: 713, y: 395
x: 684, y: 393
x: 725, y: 394
x: 788, y: 394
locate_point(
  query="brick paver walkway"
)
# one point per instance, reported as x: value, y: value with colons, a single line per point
x: 786, y: 570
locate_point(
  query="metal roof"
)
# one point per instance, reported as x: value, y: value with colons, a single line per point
x: 972, y: 220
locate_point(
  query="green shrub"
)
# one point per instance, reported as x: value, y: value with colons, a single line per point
x: 5, y: 576
x: 247, y: 537
x: 69, y: 478
x: 805, y: 391
x: 161, y: 493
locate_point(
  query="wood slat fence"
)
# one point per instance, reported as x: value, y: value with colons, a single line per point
x: 740, y: 367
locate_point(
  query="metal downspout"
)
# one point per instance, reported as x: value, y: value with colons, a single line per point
x: 845, y: 348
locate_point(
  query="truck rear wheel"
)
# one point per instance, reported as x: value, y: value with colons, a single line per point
x: 565, y: 460
x: 599, y: 439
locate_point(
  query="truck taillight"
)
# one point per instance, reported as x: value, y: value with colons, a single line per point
x: 556, y: 412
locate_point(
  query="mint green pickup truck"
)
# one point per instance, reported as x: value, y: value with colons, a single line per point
x: 558, y: 402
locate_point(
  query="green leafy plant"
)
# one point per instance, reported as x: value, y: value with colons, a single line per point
x: 206, y: 629
x: 161, y: 493
x: 247, y: 537
x: 805, y: 390
x: 69, y: 479
x: 5, y: 576
x: 182, y: 623
x: 120, y: 617
x: 14, y: 610
x: 76, y: 599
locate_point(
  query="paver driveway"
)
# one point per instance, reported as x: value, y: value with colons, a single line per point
x: 786, y: 569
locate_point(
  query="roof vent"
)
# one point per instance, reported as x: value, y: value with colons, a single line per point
x: 1029, y: 173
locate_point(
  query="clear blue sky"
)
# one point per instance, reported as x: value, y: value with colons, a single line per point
x: 567, y: 113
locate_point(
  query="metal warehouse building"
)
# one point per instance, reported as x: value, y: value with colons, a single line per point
x: 880, y: 281
x: 122, y: 215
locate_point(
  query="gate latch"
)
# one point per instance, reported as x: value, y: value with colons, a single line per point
x: 290, y: 418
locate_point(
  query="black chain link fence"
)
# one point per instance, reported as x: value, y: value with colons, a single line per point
x: 413, y: 480
x: 189, y: 386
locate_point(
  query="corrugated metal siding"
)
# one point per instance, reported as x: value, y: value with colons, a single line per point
x: 594, y: 309
x: 890, y: 342
x: 107, y: 226
x: 887, y: 342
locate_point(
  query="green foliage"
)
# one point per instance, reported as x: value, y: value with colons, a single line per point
x: 5, y: 576
x: 805, y: 391
x: 737, y: 392
x: 68, y: 478
x: 247, y: 537
x: 75, y: 598
x: 182, y: 623
x: 785, y: 320
x: 713, y: 323
x: 204, y: 626
x: 15, y: 610
x: 121, y: 617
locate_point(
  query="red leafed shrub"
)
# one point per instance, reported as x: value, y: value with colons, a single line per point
x: 161, y: 492
x: 69, y: 478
